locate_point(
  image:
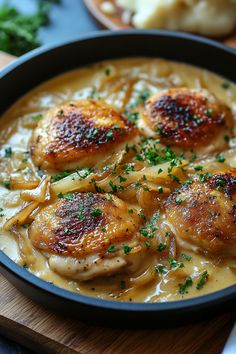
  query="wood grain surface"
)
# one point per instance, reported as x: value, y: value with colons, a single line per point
x: 31, y: 325
x: 45, y: 332
x: 114, y: 21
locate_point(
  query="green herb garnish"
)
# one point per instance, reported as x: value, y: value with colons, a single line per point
x: 198, y: 168
x: 175, y: 264
x: 132, y: 117
x: 6, y: 184
x: 60, y: 175
x: 160, y: 269
x: 161, y: 247
x: 8, y: 152
x: 19, y: 32
x: 127, y: 249
x: 220, y: 158
x: 122, y: 284
x: 66, y: 195
x: 112, y: 248
x: 187, y: 257
x: 37, y: 117
x: 96, y: 213
x: 225, y: 85
x: 203, y: 280
x: 204, y: 177
x: 183, y: 287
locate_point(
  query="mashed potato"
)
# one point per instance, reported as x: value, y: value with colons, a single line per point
x: 207, y: 17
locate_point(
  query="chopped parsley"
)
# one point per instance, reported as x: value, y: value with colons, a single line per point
x: 147, y: 244
x: 160, y: 269
x: 107, y: 71
x: 80, y: 216
x: 122, y: 179
x: 19, y: 32
x: 109, y: 135
x: 66, y: 195
x: 155, y: 155
x: 179, y: 200
x: 203, y: 280
x: 132, y: 117
x: 204, y: 176
x: 60, y: 175
x: 113, y: 187
x: 198, y: 168
x: 183, y: 287
x: 8, y: 152
x: 160, y: 189
x: 1, y: 212
x: 187, y: 257
x: 91, y: 135
x: 227, y: 138
x: 174, y: 178
x: 37, y: 117
x: 6, y: 184
x: 161, y: 247
x: 220, y: 158
x: 188, y: 182
x: 143, y: 96
x: 85, y: 172
x: 174, y: 264
x: 193, y: 157
x: 127, y: 249
x: 96, y: 213
x: 209, y: 112
x: 225, y: 85
x: 112, y: 248
x: 122, y: 284
x: 128, y: 168
x: 94, y: 94
x: 26, y: 225
x: 26, y: 156
x: 149, y: 229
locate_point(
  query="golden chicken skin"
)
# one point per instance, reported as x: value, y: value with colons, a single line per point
x: 186, y: 118
x: 79, y: 134
x: 203, y: 215
x: 86, y: 235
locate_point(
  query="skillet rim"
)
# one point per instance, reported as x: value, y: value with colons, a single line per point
x: 9, y: 266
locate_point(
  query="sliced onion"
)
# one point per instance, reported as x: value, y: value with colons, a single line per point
x: 21, y: 216
x: 21, y: 184
x: 39, y: 194
x: 75, y: 183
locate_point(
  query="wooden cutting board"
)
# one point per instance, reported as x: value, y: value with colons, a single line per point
x: 30, y: 324
x: 114, y: 21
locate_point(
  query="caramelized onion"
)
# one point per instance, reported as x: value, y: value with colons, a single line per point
x: 21, y: 184
x: 39, y: 194
x: 21, y: 216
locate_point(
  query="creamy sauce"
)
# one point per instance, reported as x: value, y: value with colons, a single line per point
x: 16, y: 130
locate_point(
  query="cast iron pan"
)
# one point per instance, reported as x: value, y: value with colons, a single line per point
x: 44, y: 63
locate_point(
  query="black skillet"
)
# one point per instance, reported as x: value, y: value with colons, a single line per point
x: 44, y: 63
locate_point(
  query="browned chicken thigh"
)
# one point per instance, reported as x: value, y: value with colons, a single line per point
x: 203, y: 215
x: 186, y: 118
x: 86, y: 235
x: 79, y: 134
